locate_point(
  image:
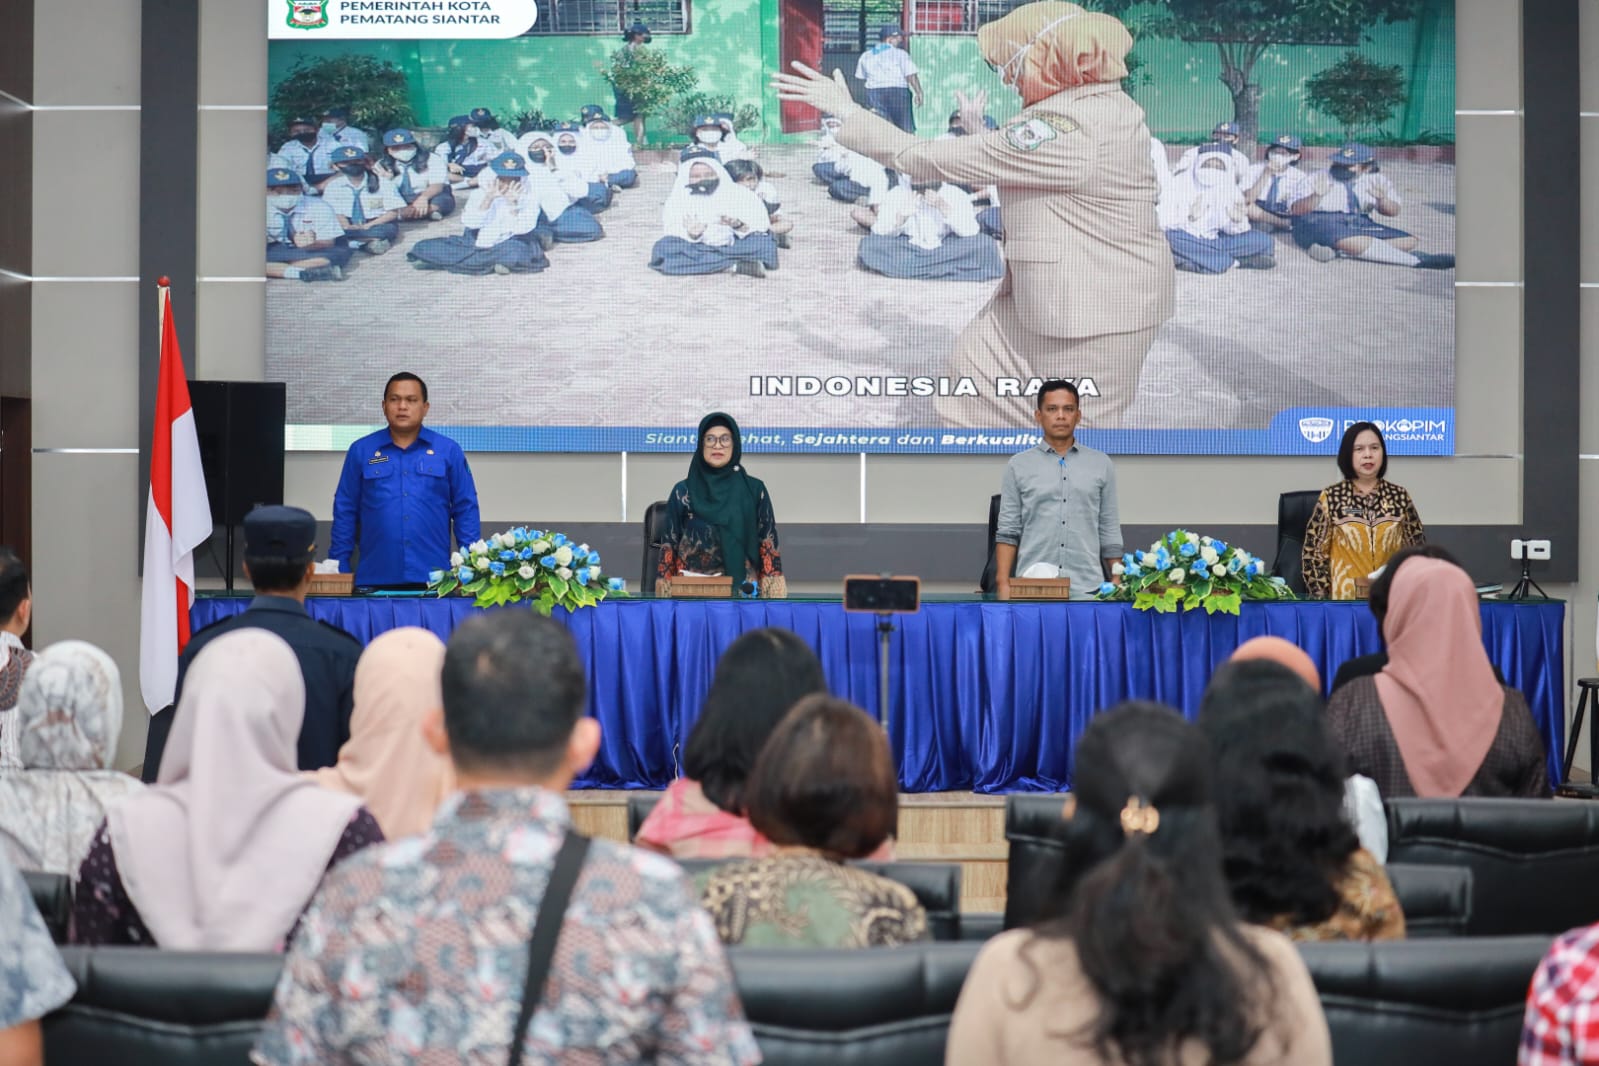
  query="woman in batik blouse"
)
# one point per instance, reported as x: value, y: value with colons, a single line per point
x: 719, y: 519
x: 1359, y: 522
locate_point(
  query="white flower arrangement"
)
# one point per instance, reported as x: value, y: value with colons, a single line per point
x: 527, y: 564
x: 1184, y: 570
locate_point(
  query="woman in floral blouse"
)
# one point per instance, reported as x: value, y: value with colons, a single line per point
x: 719, y: 519
x: 1359, y: 522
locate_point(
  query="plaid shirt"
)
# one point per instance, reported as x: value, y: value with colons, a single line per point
x: 1561, y: 1027
x: 416, y: 953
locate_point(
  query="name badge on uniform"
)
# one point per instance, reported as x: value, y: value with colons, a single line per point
x: 378, y: 458
x: 1030, y: 131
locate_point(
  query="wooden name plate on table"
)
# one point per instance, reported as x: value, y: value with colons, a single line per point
x: 1040, y: 588
x: 332, y: 584
x: 690, y: 587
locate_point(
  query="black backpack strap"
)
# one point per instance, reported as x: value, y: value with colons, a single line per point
x: 547, y: 933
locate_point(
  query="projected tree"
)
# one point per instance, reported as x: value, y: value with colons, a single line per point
x: 1357, y: 92
x: 1243, y: 30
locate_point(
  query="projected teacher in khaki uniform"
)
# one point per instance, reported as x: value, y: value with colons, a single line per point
x: 1088, y: 274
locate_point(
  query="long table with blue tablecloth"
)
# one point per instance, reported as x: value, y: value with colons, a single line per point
x: 986, y: 696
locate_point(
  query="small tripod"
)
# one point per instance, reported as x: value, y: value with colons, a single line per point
x: 1524, y: 587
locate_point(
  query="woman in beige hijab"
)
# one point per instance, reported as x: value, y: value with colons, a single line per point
x: 386, y: 762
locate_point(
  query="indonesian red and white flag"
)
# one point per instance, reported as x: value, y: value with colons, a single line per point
x: 177, y: 522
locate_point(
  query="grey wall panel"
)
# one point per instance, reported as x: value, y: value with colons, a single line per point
x: 16, y: 49
x: 87, y: 52
x: 85, y: 370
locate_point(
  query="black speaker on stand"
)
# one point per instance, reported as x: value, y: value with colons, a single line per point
x: 240, y: 426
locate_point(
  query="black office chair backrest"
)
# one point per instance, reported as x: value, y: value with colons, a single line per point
x: 1436, y: 900
x: 937, y: 886
x: 654, y: 519
x: 885, y: 1007
x: 1534, y: 863
x: 1031, y: 824
x: 141, y: 1007
x: 639, y: 806
x: 52, y: 894
x: 1293, y: 515
x: 990, y: 578
x: 1400, y: 1002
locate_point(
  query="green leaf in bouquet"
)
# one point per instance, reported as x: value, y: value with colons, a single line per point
x: 476, y: 586
x: 525, y: 584
x: 545, y: 603
x: 447, y: 586
x: 557, y: 585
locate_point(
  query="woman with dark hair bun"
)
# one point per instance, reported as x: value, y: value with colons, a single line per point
x: 1291, y: 856
x: 1359, y: 522
x: 702, y: 815
x: 1143, y: 961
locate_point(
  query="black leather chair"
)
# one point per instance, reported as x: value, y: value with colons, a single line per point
x: 1031, y: 821
x: 140, y: 1007
x: 1436, y: 900
x: 885, y: 1007
x: 654, y: 518
x: 1534, y: 863
x: 937, y: 886
x: 639, y: 806
x: 1402, y: 1002
x: 1293, y: 515
x: 990, y: 576
x: 52, y: 894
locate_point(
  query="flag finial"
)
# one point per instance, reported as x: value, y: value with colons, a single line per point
x: 164, y: 281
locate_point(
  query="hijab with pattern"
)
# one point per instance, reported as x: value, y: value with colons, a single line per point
x: 725, y: 497
x: 68, y: 719
x: 1047, y: 47
x: 386, y: 761
x: 228, y: 847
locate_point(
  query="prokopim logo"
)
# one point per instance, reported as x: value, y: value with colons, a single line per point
x: 1315, y: 428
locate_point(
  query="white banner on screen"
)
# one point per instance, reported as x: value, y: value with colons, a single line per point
x: 301, y: 20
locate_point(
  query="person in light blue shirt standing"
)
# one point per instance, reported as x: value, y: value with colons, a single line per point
x: 1057, y: 504
x: 891, y: 78
x: 402, y: 490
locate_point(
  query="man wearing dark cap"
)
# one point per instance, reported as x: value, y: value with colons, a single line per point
x: 296, y: 151
x: 279, y: 554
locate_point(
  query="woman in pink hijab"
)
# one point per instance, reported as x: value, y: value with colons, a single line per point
x: 1435, y: 722
x: 386, y: 763
x: 227, y: 849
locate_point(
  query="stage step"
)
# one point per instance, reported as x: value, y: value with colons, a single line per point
x: 960, y: 827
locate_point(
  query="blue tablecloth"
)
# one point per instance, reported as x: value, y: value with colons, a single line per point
x: 988, y: 697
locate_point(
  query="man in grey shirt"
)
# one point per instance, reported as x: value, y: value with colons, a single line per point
x: 1057, y: 504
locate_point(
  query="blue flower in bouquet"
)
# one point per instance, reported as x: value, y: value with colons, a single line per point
x: 1220, y: 546
x: 1252, y: 569
x: 1106, y: 589
x: 1187, y: 550
x: 435, y: 576
x: 525, y: 554
x: 560, y: 540
x: 581, y: 576
x: 507, y: 556
x: 594, y: 559
x: 548, y: 562
x: 616, y: 584
x: 497, y: 569
x: 1199, y: 569
x: 1133, y: 571
x: 464, y: 574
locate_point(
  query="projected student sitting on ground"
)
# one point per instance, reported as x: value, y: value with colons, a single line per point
x: 1089, y: 275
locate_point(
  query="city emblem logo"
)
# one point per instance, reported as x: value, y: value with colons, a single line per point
x: 1315, y: 429
x: 308, y: 14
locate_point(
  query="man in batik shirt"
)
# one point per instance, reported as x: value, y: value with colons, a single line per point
x: 417, y: 951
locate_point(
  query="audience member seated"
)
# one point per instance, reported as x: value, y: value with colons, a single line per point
x: 823, y: 791
x: 1559, y: 1028
x: 225, y: 852
x: 68, y: 719
x: 1143, y: 961
x: 1362, y: 801
x: 33, y: 982
x: 16, y: 613
x: 279, y: 560
x: 1434, y: 722
x: 701, y: 815
x: 387, y: 762
x: 418, y: 951
x: 1291, y: 858
x: 1377, y: 600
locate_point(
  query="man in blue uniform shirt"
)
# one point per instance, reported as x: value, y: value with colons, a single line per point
x: 399, y: 493
x: 279, y: 559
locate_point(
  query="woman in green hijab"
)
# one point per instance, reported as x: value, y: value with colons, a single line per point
x: 719, y: 519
